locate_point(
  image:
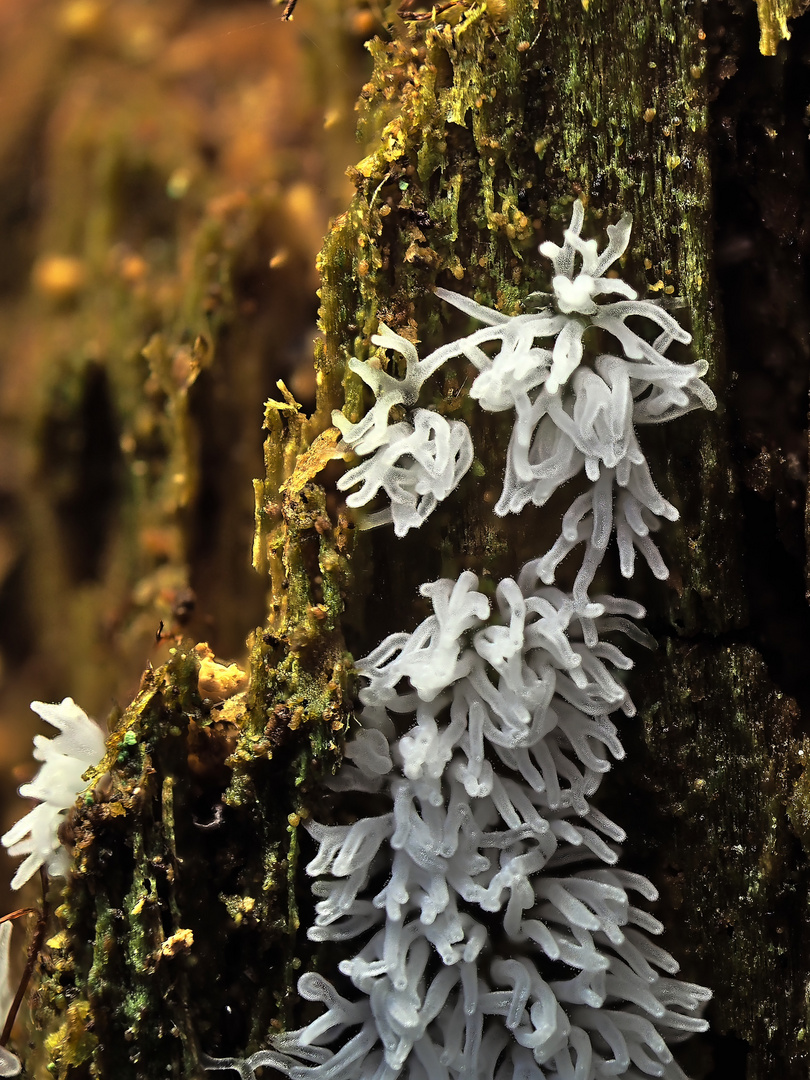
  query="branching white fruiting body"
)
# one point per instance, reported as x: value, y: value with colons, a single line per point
x: 64, y: 758
x: 495, y: 936
x: 570, y: 416
x: 494, y: 941
x: 417, y: 462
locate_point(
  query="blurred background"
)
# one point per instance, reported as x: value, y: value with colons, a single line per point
x: 168, y: 169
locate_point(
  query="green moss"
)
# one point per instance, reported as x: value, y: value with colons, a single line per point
x: 154, y: 901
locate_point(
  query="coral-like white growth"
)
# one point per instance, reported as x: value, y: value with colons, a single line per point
x: 591, y: 519
x: 496, y: 939
x: 417, y: 464
x: 9, y: 1063
x: 418, y: 467
x: 371, y: 432
x: 570, y: 417
x: 571, y: 311
x: 64, y: 758
x: 493, y: 943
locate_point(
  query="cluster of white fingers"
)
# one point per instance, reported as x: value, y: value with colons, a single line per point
x: 487, y: 929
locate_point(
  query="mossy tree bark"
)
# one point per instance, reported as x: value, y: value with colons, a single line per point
x: 184, y: 925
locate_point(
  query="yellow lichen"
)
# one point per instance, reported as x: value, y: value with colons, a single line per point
x: 179, y: 942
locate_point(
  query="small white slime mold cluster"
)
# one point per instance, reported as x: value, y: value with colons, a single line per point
x: 64, y: 758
